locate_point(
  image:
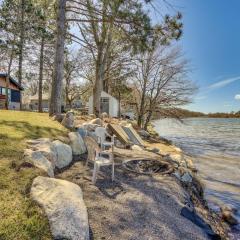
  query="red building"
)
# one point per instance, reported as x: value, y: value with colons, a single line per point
x: 14, y: 90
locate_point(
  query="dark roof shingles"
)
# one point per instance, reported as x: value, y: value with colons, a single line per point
x: 12, y: 80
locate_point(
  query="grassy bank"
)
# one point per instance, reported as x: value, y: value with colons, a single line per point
x: 20, y: 218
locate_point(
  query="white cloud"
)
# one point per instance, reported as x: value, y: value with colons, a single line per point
x: 223, y: 83
x: 237, y: 97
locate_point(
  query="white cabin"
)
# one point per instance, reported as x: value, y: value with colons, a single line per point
x: 109, y: 104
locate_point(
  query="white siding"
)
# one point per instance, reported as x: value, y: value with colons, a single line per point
x: 90, y: 105
x: 113, y: 107
x: 113, y: 104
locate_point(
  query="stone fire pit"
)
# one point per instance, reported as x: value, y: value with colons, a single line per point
x: 147, y: 166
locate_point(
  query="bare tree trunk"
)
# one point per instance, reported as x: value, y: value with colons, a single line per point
x: 66, y: 95
x: 21, y: 45
x: 119, y: 104
x: 8, y: 73
x: 70, y: 103
x: 148, y: 119
x: 145, y: 68
x: 142, y: 103
x: 40, y: 83
x: 98, y: 86
x: 56, y: 92
x: 8, y: 79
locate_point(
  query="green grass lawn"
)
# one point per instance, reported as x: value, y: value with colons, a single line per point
x: 20, y: 218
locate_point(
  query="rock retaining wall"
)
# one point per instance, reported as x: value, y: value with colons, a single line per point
x: 61, y: 200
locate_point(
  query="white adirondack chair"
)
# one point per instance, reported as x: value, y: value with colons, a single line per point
x: 101, y: 134
x: 96, y: 156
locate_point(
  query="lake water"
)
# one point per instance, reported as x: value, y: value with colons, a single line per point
x: 214, y: 145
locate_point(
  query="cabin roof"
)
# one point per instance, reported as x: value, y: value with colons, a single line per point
x: 12, y: 80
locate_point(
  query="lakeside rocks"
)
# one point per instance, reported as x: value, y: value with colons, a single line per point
x: 97, y: 121
x: 104, y: 115
x: 63, y: 204
x: 77, y: 143
x: 58, y: 117
x: 61, y: 200
x: 39, y: 161
x: 64, y: 154
x: 62, y: 209
x: 137, y: 148
x: 89, y: 126
x: 186, y: 177
x: 45, y: 147
x: 92, y: 115
x: 47, y: 155
x: 68, y: 120
x: 228, y: 215
x: 180, y: 160
x: 176, y: 158
x: 144, y: 134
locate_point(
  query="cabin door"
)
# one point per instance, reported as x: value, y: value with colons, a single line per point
x: 105, y: 105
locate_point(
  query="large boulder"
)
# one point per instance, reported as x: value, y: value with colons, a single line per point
x: 68, y: 120
x: 137, y: 148
x: 89, y: 126
x: 47, y: 149
x: 144, y: 134
x: 190, y: 164
x: 63, y: 139
x: 177, y: 149
x: 92, y: 115
x: 39, y: 161
x: 64, y: 154
x: 123, y: 123
x: 58, y: 117
x: 97, y: 121
x: 186, y: 177
x: 77, y: 143
x: 176, y: 158
x: 228, y: 215
x: 63, y: 204
x: 104, y: 115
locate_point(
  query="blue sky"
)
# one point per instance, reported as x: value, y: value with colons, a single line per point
x: 211, y: 41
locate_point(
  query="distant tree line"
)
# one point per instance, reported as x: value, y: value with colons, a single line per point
x: 224, y: 115
x: 180, y: 113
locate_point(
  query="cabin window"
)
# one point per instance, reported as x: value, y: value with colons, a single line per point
x: 15, y: 96
x: 2, y: 91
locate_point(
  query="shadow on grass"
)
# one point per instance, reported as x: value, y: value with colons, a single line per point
x: 12, y: 145
x: 28, y: 130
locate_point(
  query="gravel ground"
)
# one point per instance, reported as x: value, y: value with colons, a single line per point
x: 133, y: 207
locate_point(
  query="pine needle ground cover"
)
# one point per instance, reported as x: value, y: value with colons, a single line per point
x: 21, y: 218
